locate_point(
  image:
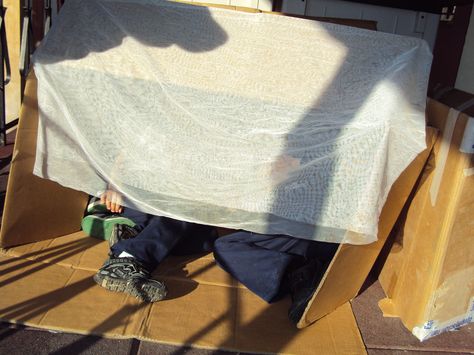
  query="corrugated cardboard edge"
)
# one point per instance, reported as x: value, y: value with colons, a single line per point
x: 360, y: 258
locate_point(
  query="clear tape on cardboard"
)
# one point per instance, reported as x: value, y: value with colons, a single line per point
x: 467, y: 143
x: 466, y: 105
x: 438, y: 94
x: 468, y: 172
x: 443, y: 153
x: 431, y: 328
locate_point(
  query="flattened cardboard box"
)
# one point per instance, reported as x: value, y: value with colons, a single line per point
x: 434, y: 251
x: 205, y: 307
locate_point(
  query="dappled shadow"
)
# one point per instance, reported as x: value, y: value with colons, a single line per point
x: 395, y: 240
x: 51, y: 251
x: 25, y: 311
x: 43, y: 262
x: 228, y: 316
x: 151, y: 25
x: 317, y: 140
x: 174, y: 268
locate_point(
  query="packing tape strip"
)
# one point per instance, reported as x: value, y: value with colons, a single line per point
x: 468, y: 172
x: 466, y: 105
x: 433, y: 327
x: 443, y: 153
x: 467, y: 143
x: 440, y: 92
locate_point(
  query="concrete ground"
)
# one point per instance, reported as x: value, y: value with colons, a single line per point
x: 382, y: 336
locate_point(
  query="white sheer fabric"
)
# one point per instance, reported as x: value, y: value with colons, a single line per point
x: 254, y: 121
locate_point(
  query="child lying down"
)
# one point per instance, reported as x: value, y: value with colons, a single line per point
x: 271, y: 266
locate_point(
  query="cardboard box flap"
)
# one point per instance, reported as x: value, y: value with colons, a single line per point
x: 352, y: 264
x: 434, y: 253
x: 29, y: 195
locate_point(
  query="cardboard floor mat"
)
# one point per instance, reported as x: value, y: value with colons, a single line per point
x: 62, y: 298
x: 74, y: 251
x: 77, y: 251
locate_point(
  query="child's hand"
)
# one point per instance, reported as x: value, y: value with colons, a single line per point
x: 112, y: 200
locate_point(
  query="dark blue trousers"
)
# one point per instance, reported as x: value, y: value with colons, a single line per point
x: 262, y: 262
x: 160, y: 236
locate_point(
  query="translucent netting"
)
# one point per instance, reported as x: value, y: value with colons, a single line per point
x: 255, y: 121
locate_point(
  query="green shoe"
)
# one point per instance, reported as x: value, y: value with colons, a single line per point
x: 95, y: 206
x: 100, y: 226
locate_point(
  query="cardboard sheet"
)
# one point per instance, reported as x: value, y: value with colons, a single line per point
x: 434, y: 251
x: 198, y: 311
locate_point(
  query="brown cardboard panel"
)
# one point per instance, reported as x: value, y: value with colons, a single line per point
x: 73, y: 251
x: 334, y: 334
x: 455, y: 288
x: 208, y: 316
x: 55, y: 297
x: 429, y: 274
x: 389, y: 333
x: 202, y: 315
x: 352, y: 264
x: 78, y: 251
x: 26, y: 193
x: 92, y: 308
x: 28, y: 305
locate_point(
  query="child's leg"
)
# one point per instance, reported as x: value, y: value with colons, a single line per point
x: 159, y: 236
x: 262, y: 262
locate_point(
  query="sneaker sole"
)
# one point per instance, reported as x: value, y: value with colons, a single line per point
x: 100, y: 227
x: 146, y: 290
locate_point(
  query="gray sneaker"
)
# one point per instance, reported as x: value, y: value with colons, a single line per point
x: 122, y: 232
x: 129, y: 276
